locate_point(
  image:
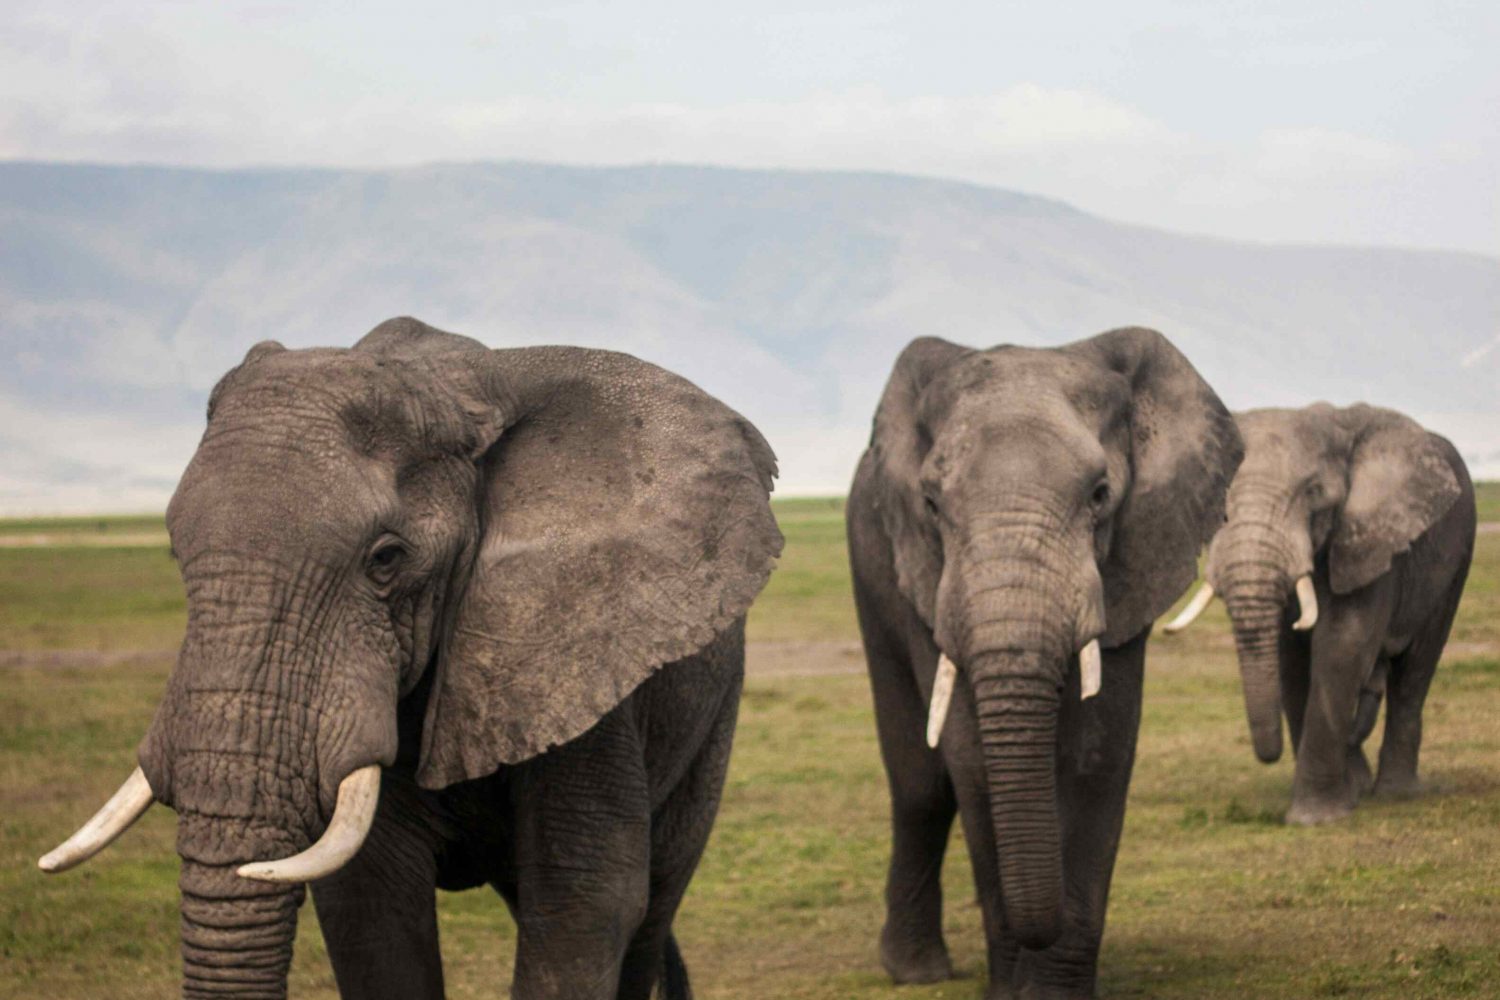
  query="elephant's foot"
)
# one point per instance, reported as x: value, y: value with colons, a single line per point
x: 909, y: 961
x: 1360, y: 775
x: 1312, y: 812
x: 1398, y: 786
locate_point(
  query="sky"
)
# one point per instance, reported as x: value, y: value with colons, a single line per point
x: 1310, y: 121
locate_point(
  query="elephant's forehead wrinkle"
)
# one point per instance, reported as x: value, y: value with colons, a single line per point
x: 269, y: 493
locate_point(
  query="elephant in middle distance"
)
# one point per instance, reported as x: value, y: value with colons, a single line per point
x: 1369, y: 520
x: 1019, y: 519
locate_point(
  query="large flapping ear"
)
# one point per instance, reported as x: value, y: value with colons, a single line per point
x: 625, y: 522
x: 898, y: 445
x: 1400, y: 484
x: 1185, y: 449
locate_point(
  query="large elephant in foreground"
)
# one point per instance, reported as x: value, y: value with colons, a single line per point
x: 1368, y: 519
x: 455, y: 616
x: 1019, y: 519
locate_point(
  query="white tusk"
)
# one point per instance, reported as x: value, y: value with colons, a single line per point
x: 353, y: 812
x: 122, y: 809
x: 942, y: 697
x: 1307, y: 600
x: 1090, y: 676
x: 1194, y: 608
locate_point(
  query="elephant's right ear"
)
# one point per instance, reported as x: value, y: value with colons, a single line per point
x: 898, y: 445
x: 624, y: 520
x: 1400, y: 484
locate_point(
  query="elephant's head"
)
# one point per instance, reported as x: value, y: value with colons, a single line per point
x: 498, y: 545
x: 1037, y: 501
x: 1343, y: 489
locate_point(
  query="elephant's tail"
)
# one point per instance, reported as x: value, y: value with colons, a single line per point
x: 674, y: 975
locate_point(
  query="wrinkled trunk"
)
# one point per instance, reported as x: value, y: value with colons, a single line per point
x: 1018, y: 732
x: 236, y: 933
x: 1254, y: 566
x: 1257, y: 639
x: 241, y: 770
x: 1017, y: 630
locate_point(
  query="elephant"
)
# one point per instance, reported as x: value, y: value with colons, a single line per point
x: 1019, y: 519
x: 1369, y: 521
x: 456, y: 616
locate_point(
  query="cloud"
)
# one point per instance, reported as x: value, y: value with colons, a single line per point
x: 126, y: 89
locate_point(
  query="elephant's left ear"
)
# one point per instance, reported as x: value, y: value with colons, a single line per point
x: 1185, y: 449
x: 1400, y: 484
x: 624, y: 521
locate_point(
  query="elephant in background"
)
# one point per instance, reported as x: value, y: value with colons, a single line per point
x: 1369, y: 520
x: 1019, y: 519
x: 456, y: 616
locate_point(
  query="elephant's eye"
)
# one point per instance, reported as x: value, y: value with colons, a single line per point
x: 1100, y: 496
x: 385, y: 561
x: 930, y: 504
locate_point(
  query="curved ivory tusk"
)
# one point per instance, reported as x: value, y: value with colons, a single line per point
x: 1307, y: 600
x: 1090, y: 674
x: 942, y: 697
x: 122, y: 809
x: 1194, y: 608
x: 353, y: 812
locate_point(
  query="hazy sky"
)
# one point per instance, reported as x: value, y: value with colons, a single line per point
x: 1313, y: 121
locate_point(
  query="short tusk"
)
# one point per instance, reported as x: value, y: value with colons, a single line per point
x: 1307, y: 600
x: 353, y: 812
x: 942, y: 697
x: 1090, y: 675
x: 123, y: 809
x: 1194, y: 608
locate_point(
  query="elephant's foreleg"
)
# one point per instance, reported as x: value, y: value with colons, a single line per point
x: 1096, y: 760
x: 1345, y: 645
x: 912, y: 949
x: 583, y: 861
x: 962, y: 759
x: 378, y: 913
x: 1370, y: 696
x: 679, y: 831
x: 1294, y: 664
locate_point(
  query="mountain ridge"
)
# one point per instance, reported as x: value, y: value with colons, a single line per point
x: 126, y: 290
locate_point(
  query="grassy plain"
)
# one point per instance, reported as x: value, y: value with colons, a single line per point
x: 1213, y: 897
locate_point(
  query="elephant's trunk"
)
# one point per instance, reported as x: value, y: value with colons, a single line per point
x: 236, y: 933
x: 1024, y: 606
x: 1254, y: 565
x: 1017, y: 711
x: 1257, y: 638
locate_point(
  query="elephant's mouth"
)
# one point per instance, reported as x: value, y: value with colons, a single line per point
x: 354, y: 812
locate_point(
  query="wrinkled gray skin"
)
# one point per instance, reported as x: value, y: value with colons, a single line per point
x: 1381, y: 514
x: 469, y: 566
x: 1013, y: 505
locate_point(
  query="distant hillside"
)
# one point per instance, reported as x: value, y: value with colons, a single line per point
x: 126, y: 291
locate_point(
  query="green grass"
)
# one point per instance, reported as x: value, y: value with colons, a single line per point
x: 1213, y: 897
x: 109, y: 524
x: 808, y: 597
x: 1487, y: 499
x: 90, y: 598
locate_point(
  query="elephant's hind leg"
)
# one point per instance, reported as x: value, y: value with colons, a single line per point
x: 1410, y: 677
x: 679, y: 832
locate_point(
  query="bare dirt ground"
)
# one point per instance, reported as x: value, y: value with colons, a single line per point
x: 803, y: 659
x: 82, y: 539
